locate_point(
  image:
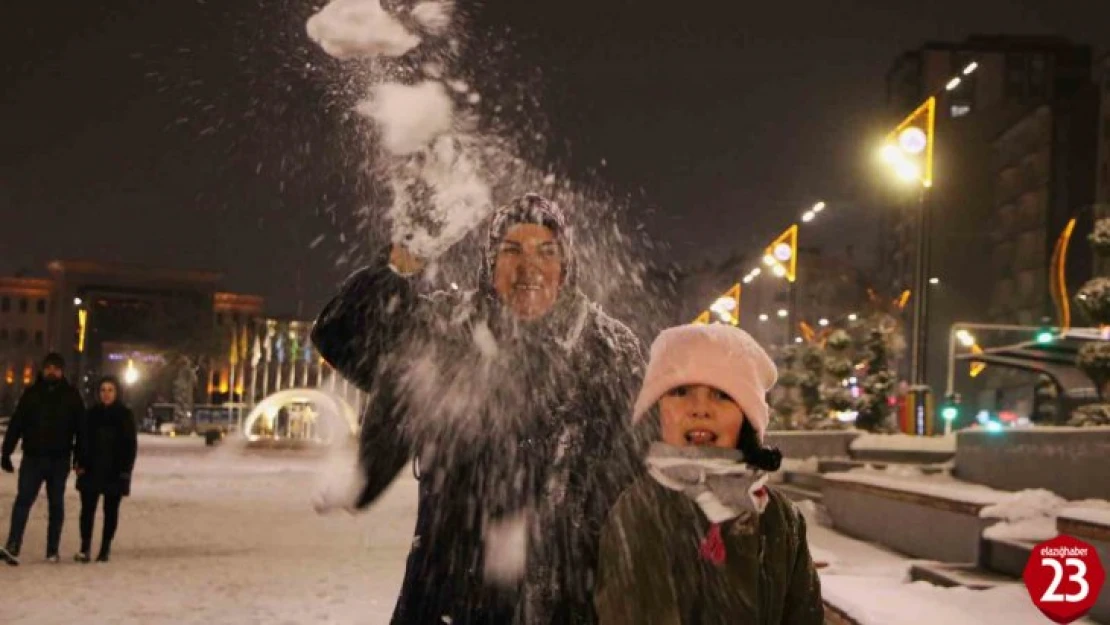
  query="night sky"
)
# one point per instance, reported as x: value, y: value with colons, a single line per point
x: 211, y: 134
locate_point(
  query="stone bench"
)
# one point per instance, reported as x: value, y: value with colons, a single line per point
x: 1093, y: 526
x: 933, y: 521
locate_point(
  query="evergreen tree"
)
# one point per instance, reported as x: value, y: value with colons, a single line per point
x: 877, y: 385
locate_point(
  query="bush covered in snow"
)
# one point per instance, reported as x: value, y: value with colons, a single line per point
x: 1100, y: 237
x: 1094, y: 360
x: 1090, y: 415
x: 1094, y: 300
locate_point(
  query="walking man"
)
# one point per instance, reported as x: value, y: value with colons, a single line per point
x: 46, y: 419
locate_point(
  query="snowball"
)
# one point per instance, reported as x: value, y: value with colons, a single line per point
x: 506, y: 549
x: 348, y: 29
x: 439, y: 196
x: 435, y: 17
x: 410, y: 117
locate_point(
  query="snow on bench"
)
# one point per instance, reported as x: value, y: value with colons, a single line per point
x: 904, y: 442
x: 911, y: 485
x: 1089, y: 520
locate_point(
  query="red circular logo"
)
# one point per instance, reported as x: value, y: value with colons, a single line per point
x: 1064, y: 578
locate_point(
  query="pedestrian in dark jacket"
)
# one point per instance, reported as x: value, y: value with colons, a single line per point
x: 701, y: 540
x: 511, y: 400
x: 46, y: 420
x: 106, y: 450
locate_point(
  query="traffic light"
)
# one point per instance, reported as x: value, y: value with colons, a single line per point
x: 951, y: 409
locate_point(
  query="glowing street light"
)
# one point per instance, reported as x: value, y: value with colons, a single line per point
x: 853, y: 317
x: 131, y: 374
x: 763, y: 317
x: 818, y: 207
x: 907, y: 171
x: 77, y: 301
x: 952, y: 84
x: 808, y: 216
x: 783, y: 313
x: 971, y: 67
x: 779, y: 271
x: 797, y: 339
x: 913, y: 140
x: 823, y: 322
x: 965, y: 338
x: 934, y: 281
x: 768, y: 260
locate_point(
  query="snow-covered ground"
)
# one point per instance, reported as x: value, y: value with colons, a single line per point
x: 218, y: 536
x: 214, y: 537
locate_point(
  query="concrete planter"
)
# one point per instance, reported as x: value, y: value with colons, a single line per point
x: 803, y: 444
x: 919, y: 525
x: 1098, y: 535
x: 1071, y: 462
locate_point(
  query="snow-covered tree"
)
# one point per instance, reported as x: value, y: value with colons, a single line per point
x: 784, y: 405
x: 838, y: 367
x: 873, y: 406
x: 1094, y: 357
x: 811, y: 377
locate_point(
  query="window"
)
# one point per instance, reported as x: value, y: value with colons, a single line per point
x: 38, y: 338
x: 5, y: 304
x: 40, y: 306
x: 20, y: 336
x: 23, y: 304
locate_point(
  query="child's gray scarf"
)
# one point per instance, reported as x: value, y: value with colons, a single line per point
x: 714, y: 478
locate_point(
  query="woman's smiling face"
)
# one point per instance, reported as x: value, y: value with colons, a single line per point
x: 700, y: 415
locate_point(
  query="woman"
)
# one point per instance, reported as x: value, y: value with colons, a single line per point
x: 106, y: 449
x: 513, y: 398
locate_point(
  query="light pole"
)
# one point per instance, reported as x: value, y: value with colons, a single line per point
x: 908, y: 150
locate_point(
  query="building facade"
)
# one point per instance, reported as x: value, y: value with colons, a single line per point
x: 25, y: 307
x: 135, y: 322
x: 1010, y: 156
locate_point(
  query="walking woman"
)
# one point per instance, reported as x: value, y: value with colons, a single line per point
x: 106, y: 449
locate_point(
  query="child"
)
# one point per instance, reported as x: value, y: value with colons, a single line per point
x: 701, y: 540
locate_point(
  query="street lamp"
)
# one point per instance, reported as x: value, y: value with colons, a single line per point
x: 908, y: 151
x: 131, y: 374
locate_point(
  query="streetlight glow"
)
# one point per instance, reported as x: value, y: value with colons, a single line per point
x: 853, y: 317
x: 907, y: 171
x: 934, y: 281
x: 965, y: 338
x: 724, y: 303
x: 797, y: 339
x: 77, y: 301
x: 757, y: 271
x: 971, y: 67
x: 748, y: 279
x: 769, y: 260
x: 913, y: 140
x: 952, y: 84
x: 779, y: 271
x: 763, y: 317
x: 783, y: 313
x: 818, y: 207
x: 823, y: 322
x: 890, y: 154
x: 808, y: 216
x: 131, y: 374
x: 783, y: 252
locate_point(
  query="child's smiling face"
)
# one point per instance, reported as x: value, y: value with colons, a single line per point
x: 700, y: 415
